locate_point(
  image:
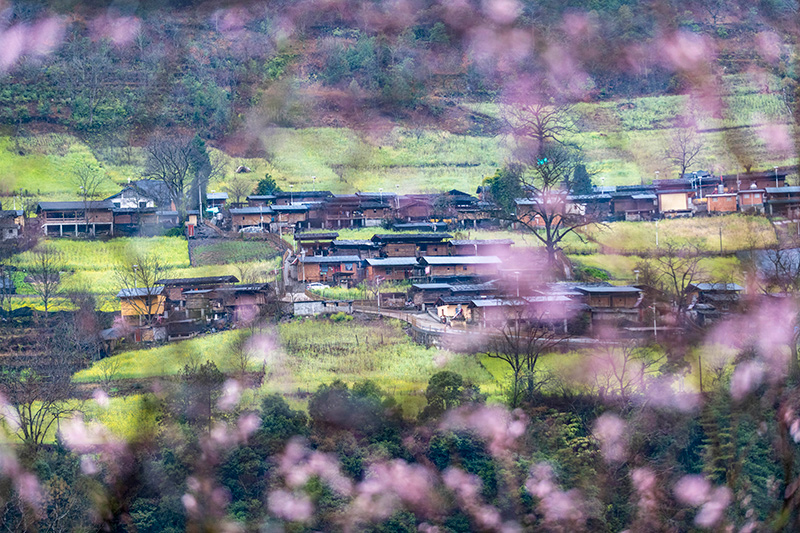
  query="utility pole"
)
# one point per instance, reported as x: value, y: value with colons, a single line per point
x: 199, y: 202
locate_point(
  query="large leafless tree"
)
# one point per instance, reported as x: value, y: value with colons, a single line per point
x: 684, y: 149
x: 89, y: 180
x: 44, y: 273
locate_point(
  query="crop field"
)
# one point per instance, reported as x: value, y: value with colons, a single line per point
x: 223, y: 252
x: 623, y: 142
x: 739, y: 232
x: 620, y: 267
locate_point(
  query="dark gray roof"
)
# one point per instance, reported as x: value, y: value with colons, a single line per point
x: 431, y: 286
x: 208, y: 280
x: 329, y: 236
x: 460, y: 260
x: 417, y: 226
x: 481, y: 242
x: 293, y: 207
x: 411, y: 237
x: 718, y: 287
x: 392, y: 261
x: 303, y: 194
x: 251, y: 210
x: 607, y: 289
x: 11, y: 213
x: 782, y: 190
x: 321, y: 259
x: 217, y: 196
x: 261, y: 197
x: 354, y: 243
x: 138, y: 292
x: 61, y: 206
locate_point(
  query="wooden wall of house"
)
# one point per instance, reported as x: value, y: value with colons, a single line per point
x: 400, y: 249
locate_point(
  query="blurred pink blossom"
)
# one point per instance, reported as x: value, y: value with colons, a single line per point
x: 768, y: 44
x: 777, y: 137
x: 711, y: 512
x: 231, y: 394
x: 500, y: 428
x: 644, y: 480
x: 692, y: 490
x: 101, y: 398
x: 612, y: 432
x: 555, y: 504
x: 501, y: 11
x: 746, y: 378
x: 290, y: 506
x: 298, y: 465
x: 121, y: 31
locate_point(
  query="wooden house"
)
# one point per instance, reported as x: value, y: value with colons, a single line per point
x: 244, y: 217
x: 260, y: 200
x: 412, y: 244
x: 136, y: 305
x: 331, y: 268
x: 414, y: 208
x: 612, y: 304
x: 674, y: 196
x: 634, y: 202
x: 12, y: 222
x: 436, y: 266
x: 391, y: 268
x: 174, y: 288
x: 75, y: 218
x: 424, y: 295
x: 449, y: 308
x: 783, y: 201
x: 314, y: 243
x: 497, y: 247
x: 363, y: 248
x: 216, y: 199
x: 761, y: 180
x: 288, y: 216
x: 300, y: 197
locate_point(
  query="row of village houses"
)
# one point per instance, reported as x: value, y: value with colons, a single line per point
x: 144, y: 204
x: 180, y: 308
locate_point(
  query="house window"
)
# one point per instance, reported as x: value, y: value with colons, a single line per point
x: 142, y: 205
x: 117, y: 205
x: 348, y: 266
x: 746, y: 196
x: 464, y: 268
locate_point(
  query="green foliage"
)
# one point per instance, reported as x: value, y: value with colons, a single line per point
x: 341, y: 316
x: 581, y: 182
x: 267, y: 186
x: 505, y: 186
x: 447, y: 390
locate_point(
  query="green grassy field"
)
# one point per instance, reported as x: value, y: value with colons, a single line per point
x: 224, y: 252
x: 623, y: 142
x: 620, y: 267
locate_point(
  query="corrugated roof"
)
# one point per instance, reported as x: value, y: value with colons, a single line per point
x: 315, y: 236
x: 460, y: 260
x: 58, y: 206
x: 605, y: 290
x: 139, y: 292
x: 718, y: 287
x: 782, y: 190
x: 217, y: 196
x: 392, y: 261
x: 198, y: 281
x: 431, y: 286
x: 251, y: 210
x: 410, y: 237
x: 481, y: 242
x: 318, y: 259
x: 354, y: 243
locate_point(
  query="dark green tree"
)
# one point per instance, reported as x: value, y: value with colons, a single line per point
x: 448, y: 390
x: 505, y: 186
x: 267, y: 185
x: 581, y: 182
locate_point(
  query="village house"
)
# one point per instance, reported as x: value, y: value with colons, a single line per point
x: 288, y: 217
x: 12, y: 222
x: 76, y: 218
x: 314, y: 243
x: 136, y: 305
x: 722, y: 202
x: 752, y: 199
x: 424, y: 295
x: 363, y: 248
x: 783, y: 201
x: 392, y: 268
x: 260, y: 200
x: 674, y: 197
x: 412, y: 244
x: 612, y: 305
x: 497, y: 247
x: 299, y: 197
x: 332, y: 268
x: 413, y: 208
x: 216, y: 200
x: 634, y: 202
x: 450, y: 308
x: 436, y: 266
x: 245, y: 217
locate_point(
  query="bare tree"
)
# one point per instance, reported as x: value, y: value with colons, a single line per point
x: 138, y: 278
x: 44, y: 273
x: 239, y: 188
x: 169, y: 160
x: 624, y: 369
x: 89, y: 180
x: 679, y: 266
x: 684, y: 148
x: 85, y: 73
x: 536, y: 125
x: 520, y: 341
x: 546, y: 208
x: 109, y: 369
